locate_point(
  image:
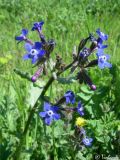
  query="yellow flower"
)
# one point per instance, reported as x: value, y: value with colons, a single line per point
x: 80, y: 122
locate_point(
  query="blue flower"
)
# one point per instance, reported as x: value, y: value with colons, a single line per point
x: 87, y: 141
x: 50, y: 113
x: 84, y: 53
x: 82, y: 131
x: 37, y: 26
x: 102, y: 35
x: 80, y: 109
x: 100, y: 44
x: 34, y: 52
x: 92, y: 38
x: 102, y: 59
x: 70, y: 97
x: 23, y: 35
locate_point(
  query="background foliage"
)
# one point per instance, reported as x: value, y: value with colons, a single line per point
x: 67, y: 22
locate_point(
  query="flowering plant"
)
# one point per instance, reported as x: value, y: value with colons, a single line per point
x: 83, y: 60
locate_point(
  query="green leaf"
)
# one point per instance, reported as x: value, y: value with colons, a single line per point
x: 100, y: 139
x: 84, y: 96
x: 79, y: 155
x: 85, y: 89
x: 34, y: 93
x: 66, y: 80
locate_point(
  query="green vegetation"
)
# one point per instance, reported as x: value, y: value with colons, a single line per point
x: 67, y: 22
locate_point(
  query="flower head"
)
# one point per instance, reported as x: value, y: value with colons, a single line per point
x: 37, y: 26
x: 50, y: 113
x: 93, y: 87
x: 92, y: 38
x: 101, y: 35
x: 34, y: 52
x: 87, y: 141
x: 80, y: 109
x: 82, y: 131
x: 100, y: 44
x: 80, y: 122
x: 84, y: 53
x: 23, y: 35
x: 70, y: 97
x: 102, y: 59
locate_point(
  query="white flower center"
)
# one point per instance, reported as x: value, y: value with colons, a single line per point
x: 102, y: 34
x: 33, y: 52
x: 87, y: 140
x: 80, y: 109
x: 50, y: 113
x: 103, y: 58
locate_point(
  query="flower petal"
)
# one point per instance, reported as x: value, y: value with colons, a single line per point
x: 34, y: 59
x: 81, y: 113
x: 41, y: 23
x: 37, y: 45
x: 26, y: 56
x: 67, y: 100
x: 55, y: 108
x: 90, y: 139
x: 24, y: 32
x: 108, y: 65
x: 70, y: 97
x: 104, y: 46
x: 47, y: 106
x: 107, y: 56
x: 101, y: 65
x: 41, y: 53
x: 56, y: 116
x: 19, y: 38
x: 42, y: 114
x: 98, y: 31
x: 101, y: 35
x: 33, y: 28
x: 28, y: 47
x: 48, y: 120
x: 87, y: 141
x: 73, y: 100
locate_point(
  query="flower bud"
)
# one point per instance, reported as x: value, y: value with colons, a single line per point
x: 93, y: 87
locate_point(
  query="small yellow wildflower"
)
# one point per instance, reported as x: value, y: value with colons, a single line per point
x: 80, y: 122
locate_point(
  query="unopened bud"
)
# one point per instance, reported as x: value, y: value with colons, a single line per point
x: 93, y: 87
x: 33, y: 79
x: 93, y: 46
x: 37, y: 74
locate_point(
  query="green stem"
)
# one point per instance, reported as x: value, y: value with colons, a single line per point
x: 50, y: 81
x: 54, y: 146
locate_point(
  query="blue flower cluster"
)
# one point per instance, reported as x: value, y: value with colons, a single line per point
x: 51, y: 112
x: 35, y: 51
x: 102, y: 58
x: 37, y: 26
x: 23, y: 35
x: 83, y: 61
x: 70, y: 97
x: 85, y: 139
x: 97, y: 44
x: 39, y: 52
